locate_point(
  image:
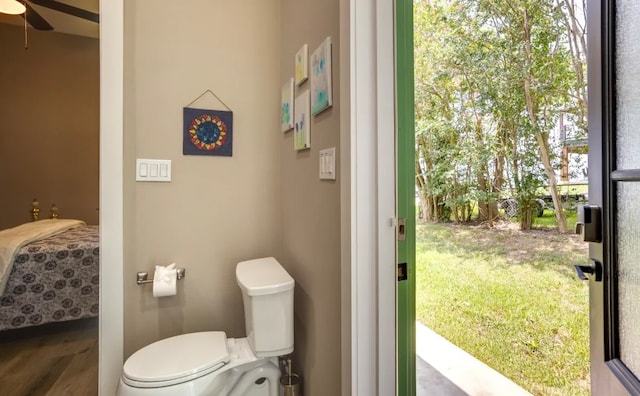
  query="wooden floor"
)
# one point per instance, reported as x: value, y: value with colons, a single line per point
x: 52, y: 360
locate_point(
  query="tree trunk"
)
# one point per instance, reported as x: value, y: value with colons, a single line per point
x: 526, y: 217
x: 496, y: 183
x: 483, y: 206
x: 428, y: 214
x: 420, y: 185
x: 542, y: 139
x: 553, y: 185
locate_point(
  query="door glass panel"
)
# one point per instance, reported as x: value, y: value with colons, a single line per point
x: 628, y: 235
x: 627, y: 84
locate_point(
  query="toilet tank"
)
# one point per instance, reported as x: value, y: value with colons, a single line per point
x: 267, y: 295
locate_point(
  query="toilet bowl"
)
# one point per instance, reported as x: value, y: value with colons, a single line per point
x: 205, y: 363
x: 209, y: 363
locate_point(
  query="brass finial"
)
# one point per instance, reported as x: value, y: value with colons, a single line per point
x: 53, y: 214
x: 35, y: 210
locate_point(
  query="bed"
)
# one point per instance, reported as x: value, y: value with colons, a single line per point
x: 53, y: 278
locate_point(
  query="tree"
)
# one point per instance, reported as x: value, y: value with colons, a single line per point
x: 492, y: 79
x: 574, y: 17
x: 454, y: 165
x: 536, y: 24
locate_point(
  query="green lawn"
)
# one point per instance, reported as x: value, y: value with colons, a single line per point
x: 548, y: 220
x: 509, y: 298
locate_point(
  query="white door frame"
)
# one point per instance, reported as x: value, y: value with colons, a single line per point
x: 111, y: 195
x: 373, y: 192
x: 372, y: 156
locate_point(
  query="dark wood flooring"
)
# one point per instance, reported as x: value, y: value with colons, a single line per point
x: 54, y: 359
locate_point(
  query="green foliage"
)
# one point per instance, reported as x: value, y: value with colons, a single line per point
x: 493, y: 77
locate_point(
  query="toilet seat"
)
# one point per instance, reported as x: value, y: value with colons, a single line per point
x: 176, y: 360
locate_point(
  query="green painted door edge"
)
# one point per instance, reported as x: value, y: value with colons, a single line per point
x: 406, y: 208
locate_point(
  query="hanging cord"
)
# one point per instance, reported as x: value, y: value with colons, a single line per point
x: 204, y: 93
x: 26, y: 37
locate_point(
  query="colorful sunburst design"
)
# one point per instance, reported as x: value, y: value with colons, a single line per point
x: 207, y: 132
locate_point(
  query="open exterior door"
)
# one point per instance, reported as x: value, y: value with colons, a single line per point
x: 405, y: 189
x: 611, y: 223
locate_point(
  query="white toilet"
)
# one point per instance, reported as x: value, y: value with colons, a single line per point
x: 209, y: 363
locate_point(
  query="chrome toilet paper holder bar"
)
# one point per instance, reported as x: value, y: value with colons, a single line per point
x: 143, y: 277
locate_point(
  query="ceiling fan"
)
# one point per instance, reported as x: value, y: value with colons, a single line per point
x: 36, y: 20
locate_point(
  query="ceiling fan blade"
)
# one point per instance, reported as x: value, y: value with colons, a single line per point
x: 35, y: 19
x: 68, y: 9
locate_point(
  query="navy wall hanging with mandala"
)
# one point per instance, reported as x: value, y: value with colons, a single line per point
x: 207, y: 132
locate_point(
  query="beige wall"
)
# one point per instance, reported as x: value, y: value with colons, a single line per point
x: 311, y: 207
x: 217, y: 211
x: 49, y: 131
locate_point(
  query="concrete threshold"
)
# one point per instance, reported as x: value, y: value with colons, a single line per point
x: 444, y: 369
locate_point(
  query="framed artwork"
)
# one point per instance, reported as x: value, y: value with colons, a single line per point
x: 286, y: 106
x: 302, y: 68
x: 321, y: 95
x: 207, y: 132
x: 302, y: 126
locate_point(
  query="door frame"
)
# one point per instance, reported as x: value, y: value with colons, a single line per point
x: 372, y: 198
x: 111, y: 316
x: 406, y: 204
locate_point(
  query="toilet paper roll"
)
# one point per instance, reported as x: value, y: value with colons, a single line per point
x: 164, y: 281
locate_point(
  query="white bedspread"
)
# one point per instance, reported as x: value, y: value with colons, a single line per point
x: 14, y: 238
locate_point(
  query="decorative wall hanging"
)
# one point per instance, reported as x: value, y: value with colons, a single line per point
x: 321, y: 96
x: 286, y: 106
x: 207, y: 132
x: 302, y: 69
x: 302, y: 127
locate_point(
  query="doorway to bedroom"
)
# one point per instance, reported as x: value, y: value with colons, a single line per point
x: 49, y: 154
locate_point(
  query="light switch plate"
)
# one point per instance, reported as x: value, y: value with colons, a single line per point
x: 153, y: 170
x: 328, y: 164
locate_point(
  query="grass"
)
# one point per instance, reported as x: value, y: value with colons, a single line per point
x: 509, y: 298
x: 548, y: 220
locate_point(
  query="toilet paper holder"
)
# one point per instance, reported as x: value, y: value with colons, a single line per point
x: 143, y: 277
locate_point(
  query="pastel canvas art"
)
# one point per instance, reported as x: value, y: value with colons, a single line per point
x: 321, y: 95
x: 286, y: 107
x: 302, y: 126
x: 302, y: 68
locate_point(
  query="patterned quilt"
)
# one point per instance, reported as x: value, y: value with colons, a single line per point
x: 53, y: 280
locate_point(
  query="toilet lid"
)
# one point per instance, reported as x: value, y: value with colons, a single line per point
x: 178, y: 357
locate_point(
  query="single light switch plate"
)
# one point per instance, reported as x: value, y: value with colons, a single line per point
x: 153, y: 170
x: 328, y: 164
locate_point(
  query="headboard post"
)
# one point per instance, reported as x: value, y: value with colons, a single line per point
x: 35, y: 210
x: 53, y: 214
